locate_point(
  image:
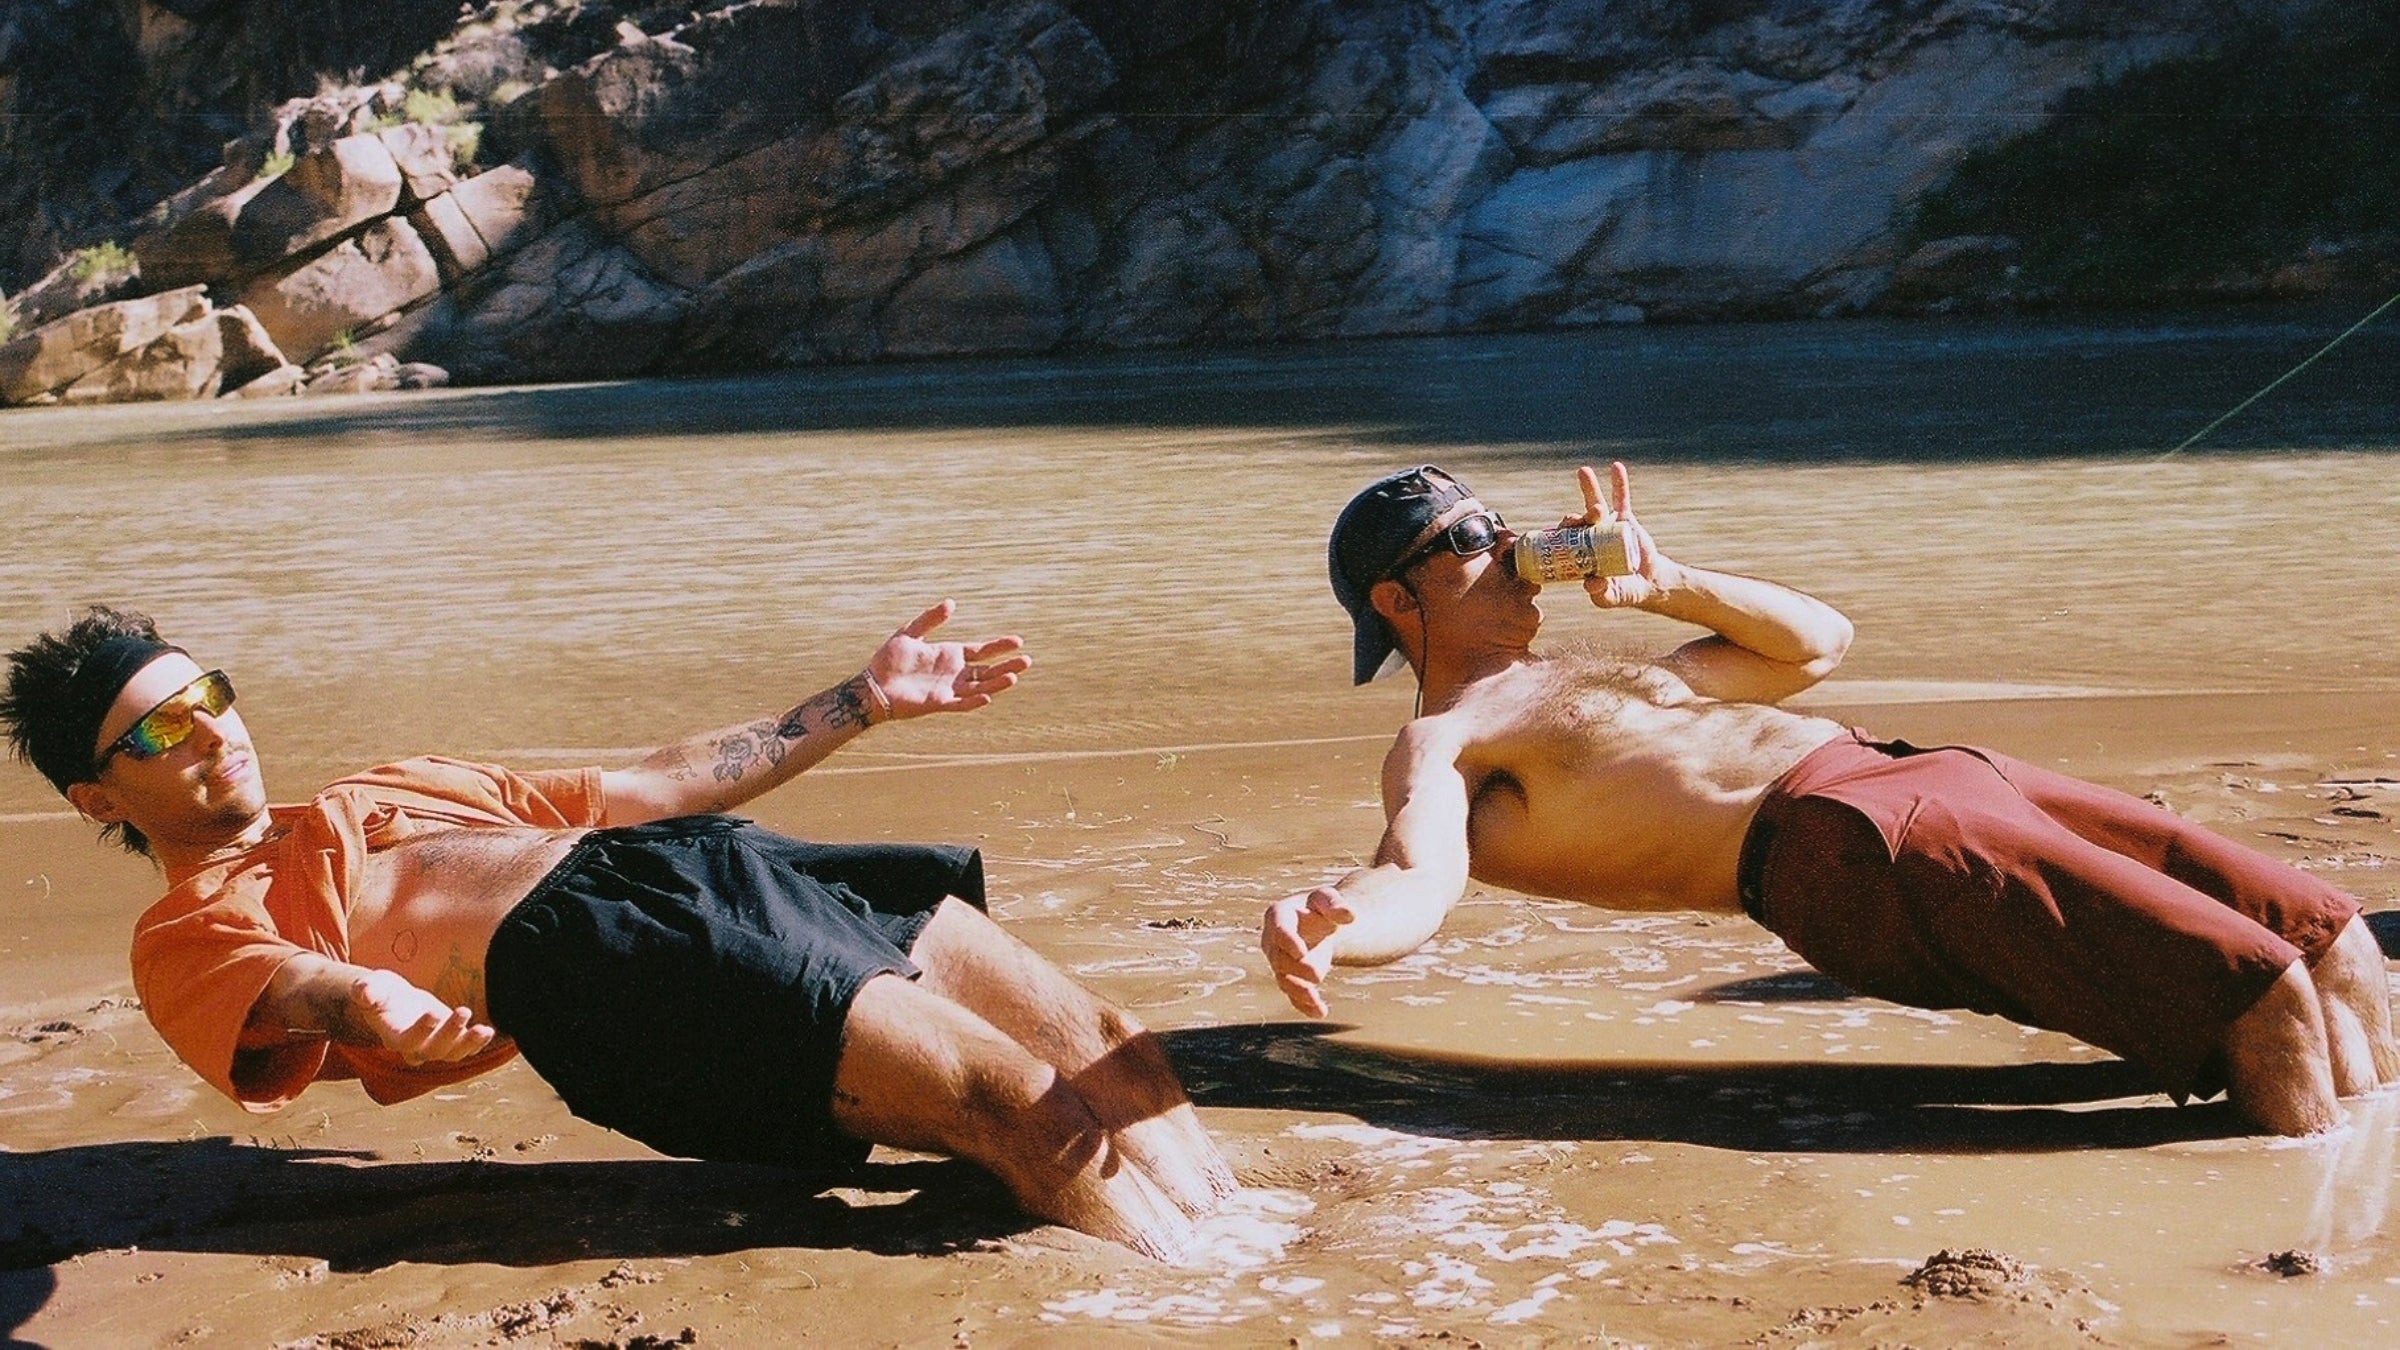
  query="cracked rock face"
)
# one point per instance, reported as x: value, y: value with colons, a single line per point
x: 789, y: 181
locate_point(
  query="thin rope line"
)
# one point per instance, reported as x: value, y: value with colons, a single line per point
x: 2371, y: 317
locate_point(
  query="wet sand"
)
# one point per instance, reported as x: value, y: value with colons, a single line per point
x: 1553, y: 1125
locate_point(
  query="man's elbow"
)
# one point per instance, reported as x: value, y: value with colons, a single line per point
x: 1831, y: 645
x: 633, y: 797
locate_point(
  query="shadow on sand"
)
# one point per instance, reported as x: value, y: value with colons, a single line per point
x: 215, y: 1195
x: 359, y: 1214
x: 1813, y: 1107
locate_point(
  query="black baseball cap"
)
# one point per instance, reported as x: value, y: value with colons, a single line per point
x: 1370, y: 537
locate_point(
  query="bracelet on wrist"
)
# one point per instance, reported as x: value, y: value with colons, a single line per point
x: 879, y: 704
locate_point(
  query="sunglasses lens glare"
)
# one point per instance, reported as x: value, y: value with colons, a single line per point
x: 161, y: 731
x: 170, y: 723
x: 216, y: 692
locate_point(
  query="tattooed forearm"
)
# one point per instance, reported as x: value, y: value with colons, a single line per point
x: 747, y: 749
x: 850, y: 703
x: 842, y: 707
x: 795, y: 723
x: 746, y: 760
x: 674, y: 763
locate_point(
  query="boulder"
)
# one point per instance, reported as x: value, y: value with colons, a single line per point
x: 505, y: 205
x: 375, y: 375
x: 754, y: 308
x: 181, y: 363
x: 198, y: 246
x: 423, y: 154
x: 444, y: 227
x: 384, y: 269
x: 65, y: 350
x: 282, y: 380
x: 325, y: 193
x: 200, y: 243
x: 248, y: 350
x: 617, y: 124
x: 68, y: 287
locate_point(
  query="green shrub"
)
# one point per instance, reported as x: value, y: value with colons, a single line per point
x: 433, y: 107
x: 466, y: 138
x: 104, y: 262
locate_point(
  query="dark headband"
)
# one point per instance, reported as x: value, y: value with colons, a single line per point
x: 91, y: 691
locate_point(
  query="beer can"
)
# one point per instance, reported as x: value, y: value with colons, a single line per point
x: 1572, y: 553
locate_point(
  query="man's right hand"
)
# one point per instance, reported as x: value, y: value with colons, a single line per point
x: 1297, y: 938
x: 388, y: 1011
x: 1646, y: 582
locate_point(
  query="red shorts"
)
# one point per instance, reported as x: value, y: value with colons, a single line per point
x: 1960, y: 878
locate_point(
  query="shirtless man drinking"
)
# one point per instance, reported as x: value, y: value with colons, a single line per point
x: 703, y: 985
x: 1950, y: 877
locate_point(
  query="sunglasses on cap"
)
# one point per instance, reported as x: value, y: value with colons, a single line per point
x: 1465, y: 536
x: 170, y: 723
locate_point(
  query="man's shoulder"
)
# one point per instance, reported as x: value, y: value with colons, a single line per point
x: 415, y: 769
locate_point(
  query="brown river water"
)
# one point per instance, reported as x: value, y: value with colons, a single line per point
x: 1552, y: 1123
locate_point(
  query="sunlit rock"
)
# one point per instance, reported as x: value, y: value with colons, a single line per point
x: 384, y: 269
x: 65, y: 350
x: 181, y: 363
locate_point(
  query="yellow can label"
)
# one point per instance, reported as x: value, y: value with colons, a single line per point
x: 1572, y: 554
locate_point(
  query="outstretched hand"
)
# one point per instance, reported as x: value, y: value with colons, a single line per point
x: 1641, y: 586
x: 1295, y: 937
x: 916, y: 677
x: 389, y: 1011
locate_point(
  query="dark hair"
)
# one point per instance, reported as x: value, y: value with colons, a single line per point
x: 32, y: 705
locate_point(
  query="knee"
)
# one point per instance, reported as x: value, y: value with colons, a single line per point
x: 2278, y: 1065
x: 1028, y: 1119
x: 1119, y: 1028
x: 2352, y: 968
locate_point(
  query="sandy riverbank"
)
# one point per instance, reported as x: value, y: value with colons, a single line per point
x: 1553, y: 1125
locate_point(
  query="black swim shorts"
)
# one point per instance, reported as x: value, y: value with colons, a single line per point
x: 685, y: 982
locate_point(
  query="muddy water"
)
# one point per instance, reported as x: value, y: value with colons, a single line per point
x: 1550, y: 1120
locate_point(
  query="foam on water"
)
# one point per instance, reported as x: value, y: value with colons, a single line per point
x: 1251, y: 1230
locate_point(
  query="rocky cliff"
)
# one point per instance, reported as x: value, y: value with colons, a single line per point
x: 553, y: 191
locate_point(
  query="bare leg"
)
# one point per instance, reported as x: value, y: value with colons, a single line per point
x: 2357, y: 1003
x: 1109, y: 1057
x: 2278, y: 1069
x: 920, y: 1072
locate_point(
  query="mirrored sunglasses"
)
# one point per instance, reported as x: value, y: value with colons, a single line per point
x: 170, y: 723
x: 1465, y: 536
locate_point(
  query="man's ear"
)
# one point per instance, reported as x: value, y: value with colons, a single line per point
x: 95, y: 802
x: 1391, y: 600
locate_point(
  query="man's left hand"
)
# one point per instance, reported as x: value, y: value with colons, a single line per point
x: 916, y: 677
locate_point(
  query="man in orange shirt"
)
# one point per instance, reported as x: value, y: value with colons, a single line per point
x: 703, y: 985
